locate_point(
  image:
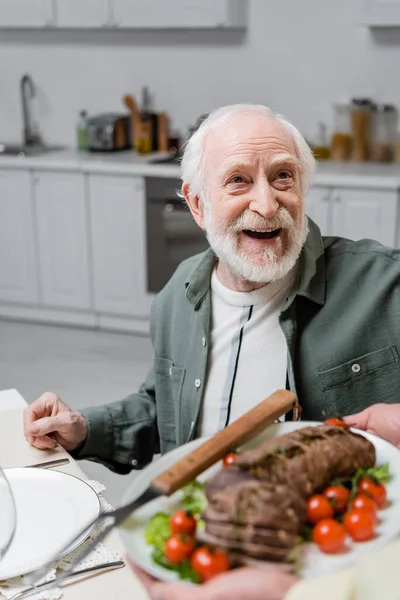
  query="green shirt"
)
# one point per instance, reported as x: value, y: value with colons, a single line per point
x: 341, y: 322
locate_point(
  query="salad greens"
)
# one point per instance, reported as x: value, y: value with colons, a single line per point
x: 194, y: 498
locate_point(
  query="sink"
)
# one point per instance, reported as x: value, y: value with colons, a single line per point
x: 24, y: 151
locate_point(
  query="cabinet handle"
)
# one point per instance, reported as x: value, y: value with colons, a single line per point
x: 337, y: 199
x: 36, y: 179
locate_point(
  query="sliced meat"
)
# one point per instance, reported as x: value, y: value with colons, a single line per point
x: 250, y: 533
x: 261, y: 551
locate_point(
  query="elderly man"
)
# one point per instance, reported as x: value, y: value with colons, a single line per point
x: 270, y: 305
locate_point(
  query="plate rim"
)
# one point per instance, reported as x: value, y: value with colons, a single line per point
x: 50, y: 472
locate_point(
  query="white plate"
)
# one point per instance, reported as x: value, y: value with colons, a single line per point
x: 51, y: 506
x: 314, y: 562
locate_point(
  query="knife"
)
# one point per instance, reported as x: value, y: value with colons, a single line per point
x: 190, y: 466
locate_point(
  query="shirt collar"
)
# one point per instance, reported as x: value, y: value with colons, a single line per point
x: 310, y: 282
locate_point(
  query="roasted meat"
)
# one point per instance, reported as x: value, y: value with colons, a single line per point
x: 257, y: 506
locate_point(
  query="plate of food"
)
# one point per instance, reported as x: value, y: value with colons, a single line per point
x: 308, y: 497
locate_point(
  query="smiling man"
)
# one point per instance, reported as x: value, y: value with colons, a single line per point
x: 270, y: 305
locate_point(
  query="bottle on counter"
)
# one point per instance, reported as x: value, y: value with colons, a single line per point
x: 361, y: 116
x: 383, y: 133
x: 341, y: 136
x: 321, y: 149
x: 81, y: 131
x: 144, y: 138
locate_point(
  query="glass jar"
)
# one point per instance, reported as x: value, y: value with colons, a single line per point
x: 383, y: 133
x: 341, y: 136
x: 361, y: 128
x: 321, y: 149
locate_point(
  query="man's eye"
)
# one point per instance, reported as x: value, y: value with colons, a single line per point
x: 284, y: 175
x: 237, y: 179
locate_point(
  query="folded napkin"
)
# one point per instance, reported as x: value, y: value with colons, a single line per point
x: 101, y: 554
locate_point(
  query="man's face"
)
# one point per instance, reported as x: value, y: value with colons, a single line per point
x: 253, y: 214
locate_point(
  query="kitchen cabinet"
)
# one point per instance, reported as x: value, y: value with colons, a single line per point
x: 117, y: 208
x: 26, y: 13
x: 62, y: 228
x: 179, y: 14
x: 379, y: 13
x: 355, y: 213
x: 18, y: 272
x: 83, y: 13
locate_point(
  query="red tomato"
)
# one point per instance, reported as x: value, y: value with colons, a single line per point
x: 177, y: 548
x: 360, y: 524
x: 338, y: 496
x: 329, y: 535
x: 183, y: 522
x: 363, y: 502
x: 229, y: 459
x: 335, y: 421
x: 376, y: 491
x: 208, y: 564
x: 318, y: 507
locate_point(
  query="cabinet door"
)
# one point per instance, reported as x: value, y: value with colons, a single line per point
x: 365, y: 213
x: 379, y: 13
x: 117, y: 207
x: 178, y: 13
x: 62, y: 235
x: 82, y: 13
x: 26, y: 13
x: 18, y: 268
x: 317, y: 207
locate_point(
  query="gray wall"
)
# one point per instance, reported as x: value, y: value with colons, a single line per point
x: 296, y: 56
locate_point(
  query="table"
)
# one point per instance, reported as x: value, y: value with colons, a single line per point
x: 120, y: 583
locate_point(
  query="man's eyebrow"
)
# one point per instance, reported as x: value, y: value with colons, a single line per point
x: 234, y: 163
x: 285, y: 158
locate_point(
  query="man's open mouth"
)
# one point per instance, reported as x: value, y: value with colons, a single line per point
x: 262, y: 235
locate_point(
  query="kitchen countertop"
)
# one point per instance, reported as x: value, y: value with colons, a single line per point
x: 372, y: 175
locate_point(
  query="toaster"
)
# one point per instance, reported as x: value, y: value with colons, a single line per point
x: 109, y: 132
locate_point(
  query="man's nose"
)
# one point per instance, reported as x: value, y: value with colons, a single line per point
x: 264, y: 199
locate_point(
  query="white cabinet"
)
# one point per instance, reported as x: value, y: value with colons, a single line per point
x: 175, y: 14
x: 317, y: 207
x: 26, y: 13
x: 117, y: 208
x: 379, y: 13
x: 18, y: 274
x: 62, y: 239
x: 355, y: 213
x: 82, y: 13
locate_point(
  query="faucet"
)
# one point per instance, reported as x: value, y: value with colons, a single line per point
x: 31, y: 136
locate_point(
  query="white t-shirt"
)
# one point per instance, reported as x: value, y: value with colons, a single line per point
x: 248, y: 353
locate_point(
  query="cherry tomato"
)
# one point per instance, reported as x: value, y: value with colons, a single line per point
x: 208, y: 564
x: 318, y: 507
x: 363, y: 502
x: 229, y: 459
x: 329, y: 535
x: 335, y: 421
x: 376, y: 491
x: 183, y: 522
x: 177, y: 548
x: 360, y: 524
x: 338, y: 496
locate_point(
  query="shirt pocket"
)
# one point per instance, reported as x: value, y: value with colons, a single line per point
x: 362, y: 381
x: 169, y: 382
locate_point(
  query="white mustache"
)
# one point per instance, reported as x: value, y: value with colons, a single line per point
x: 251, y: 220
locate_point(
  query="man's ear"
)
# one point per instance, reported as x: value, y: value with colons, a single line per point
x: 194, y: 203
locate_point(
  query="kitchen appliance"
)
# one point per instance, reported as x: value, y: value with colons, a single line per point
x: 109, y: 132
x: 172, y: 235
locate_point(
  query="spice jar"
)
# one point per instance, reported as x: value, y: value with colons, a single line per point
x: 361, y: 126
x: 341, y: 136
x: 383, y: 133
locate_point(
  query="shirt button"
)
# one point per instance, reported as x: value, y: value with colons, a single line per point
x: 204, y: 341
x: 170, y: 371
x: 197, y: 383
x: 356, y: 368
x: 134, y: 462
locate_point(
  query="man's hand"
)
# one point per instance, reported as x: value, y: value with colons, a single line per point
x: 49, y: 421
x: 381, y: 419
x: 267, y: 583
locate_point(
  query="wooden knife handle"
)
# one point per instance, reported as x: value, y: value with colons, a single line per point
x: 203, y: 457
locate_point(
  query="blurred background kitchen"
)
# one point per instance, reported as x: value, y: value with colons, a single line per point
x: 96, y: 99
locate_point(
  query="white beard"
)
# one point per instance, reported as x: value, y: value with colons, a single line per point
x: 270, y: 267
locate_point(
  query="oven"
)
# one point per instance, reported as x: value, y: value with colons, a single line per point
x: 172, y: 235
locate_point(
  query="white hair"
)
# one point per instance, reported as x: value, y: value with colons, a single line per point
x: 192, y: 165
